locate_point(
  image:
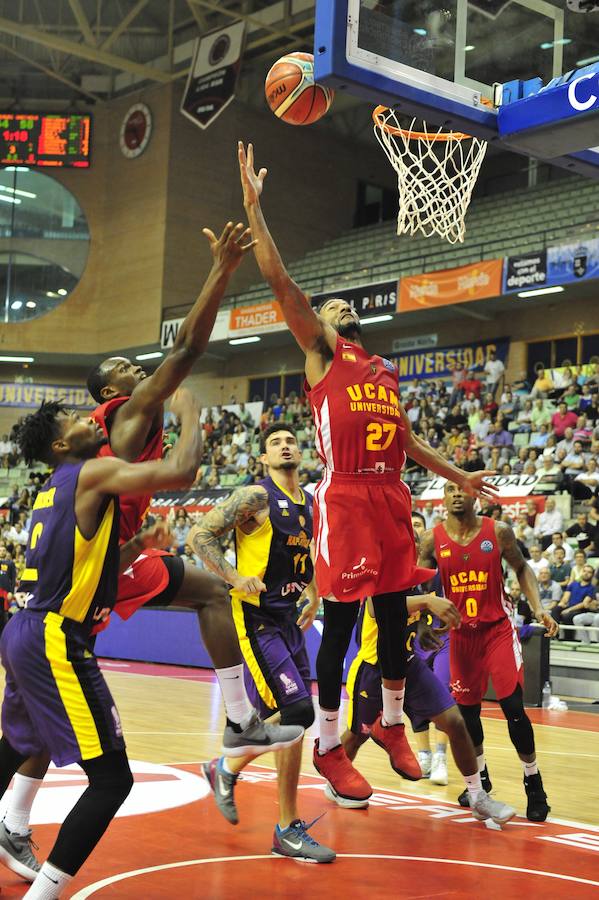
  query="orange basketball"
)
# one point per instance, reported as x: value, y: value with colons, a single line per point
x: 291, y: 92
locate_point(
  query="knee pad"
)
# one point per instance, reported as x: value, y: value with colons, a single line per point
x: 110, y: 772
x: 300, y: 713
x: 513, y: 706
x: 471, y: 716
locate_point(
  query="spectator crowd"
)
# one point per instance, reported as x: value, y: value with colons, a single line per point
x: 548, y: 429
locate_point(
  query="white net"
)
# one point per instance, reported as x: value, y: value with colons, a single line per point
x: 436, y: 172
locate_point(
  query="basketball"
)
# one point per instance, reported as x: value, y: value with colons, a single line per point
x: 291, y: 92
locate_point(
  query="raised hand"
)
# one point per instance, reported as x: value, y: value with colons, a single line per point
x: 229, y: 249
x: 474, y: 485
x: 251, y: 183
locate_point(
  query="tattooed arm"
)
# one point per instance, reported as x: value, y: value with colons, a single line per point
x: 246, y: 508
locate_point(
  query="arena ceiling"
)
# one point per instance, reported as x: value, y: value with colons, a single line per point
x: 59, y: 54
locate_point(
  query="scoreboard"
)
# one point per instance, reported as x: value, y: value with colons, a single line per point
x: 44, y: 139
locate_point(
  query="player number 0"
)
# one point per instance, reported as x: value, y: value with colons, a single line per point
x: 471, y: 607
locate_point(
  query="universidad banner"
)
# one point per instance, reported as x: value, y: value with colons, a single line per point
x: 30, y: 396
x: 438, y: 362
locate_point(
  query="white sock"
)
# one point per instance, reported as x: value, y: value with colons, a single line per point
x: 328, y: 720
x: 18, y: 814
x: 393, y: 706
x: 424, y: 753
x: 232, y: 686
x: 480, y: 760
x: 474, y: 784
x: 442, y: 749
x: 49, y: 884
x: 530, y: 768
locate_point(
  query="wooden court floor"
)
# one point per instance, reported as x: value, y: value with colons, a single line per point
x: 412, y: 842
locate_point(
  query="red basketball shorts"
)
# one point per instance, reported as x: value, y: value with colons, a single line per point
x: 145, y: 578
x: 490, y: 650
x: 364, y: 544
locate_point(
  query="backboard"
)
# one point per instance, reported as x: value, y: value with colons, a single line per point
x: 440, y: 59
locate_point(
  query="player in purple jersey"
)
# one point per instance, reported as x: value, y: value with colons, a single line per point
x: 433, y: 765
x: 272, y: 521
x: 55, y: 698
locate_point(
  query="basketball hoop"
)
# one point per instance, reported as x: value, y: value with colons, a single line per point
x: 436, y: 173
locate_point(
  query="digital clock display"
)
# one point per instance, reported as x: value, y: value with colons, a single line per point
x: 44, y: 139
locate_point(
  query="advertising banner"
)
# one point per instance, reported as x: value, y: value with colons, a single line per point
x: 521, y: 273
x: 365, y: 299
x: 461, y: 285
x: 30, y: 396
x: 507, y: 485
x: 439, y: 362
x: 256, y: 319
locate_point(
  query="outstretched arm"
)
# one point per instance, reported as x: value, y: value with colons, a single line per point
x: 473, y: 483
x: 109, y: 475
x: 192, y: 338
x: 240, y: 509
x: 526, y: 577
x: 311, y: 333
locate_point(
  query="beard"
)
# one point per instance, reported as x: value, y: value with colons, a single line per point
x: 350, y: 330
x: 287, y: 465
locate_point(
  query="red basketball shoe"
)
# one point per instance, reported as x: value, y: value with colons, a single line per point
x: 348, y: 787
x: 392, y: 738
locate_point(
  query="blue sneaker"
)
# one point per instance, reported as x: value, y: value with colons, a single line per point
x: 295, y: 842
x: 222, y: 785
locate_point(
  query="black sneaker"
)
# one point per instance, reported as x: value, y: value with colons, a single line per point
x: 487, y: 787
x: 537, y: 808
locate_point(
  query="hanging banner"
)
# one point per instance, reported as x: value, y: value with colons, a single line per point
x: 30, y: 396
x: 213, y: 75
x: 461, y: 285
x: 439, y: 363
x: 365, y: 299
x: 191, y: 501
x: 524, y: 272
x: 256, y: 319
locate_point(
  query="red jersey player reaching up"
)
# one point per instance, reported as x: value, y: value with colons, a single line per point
x: 469, y: 550
x: 131, y: 416
x: 364, y: 545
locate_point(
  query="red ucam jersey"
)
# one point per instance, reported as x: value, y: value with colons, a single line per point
x: 472, y: 575
x: 356, y: 414
x: 133, y: 509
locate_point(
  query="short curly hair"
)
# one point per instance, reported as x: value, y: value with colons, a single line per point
x: 36, y: 432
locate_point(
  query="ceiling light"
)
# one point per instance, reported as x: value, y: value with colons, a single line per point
x: 540, y: 291
x: 548, y: 45
x: 51, y: 294
x: 10, y: 190
x: 17, y: 169
x: 155, y: 354
x: 14, y: 359
x: 469, y: 47
x: 62, y: 292
x: 588, y: 61
x: 16, y: 304
x: 31, y: 304
x: 10, y: 199
x: 421, y: 31
x: 372, y: 319
x: 247, y: 340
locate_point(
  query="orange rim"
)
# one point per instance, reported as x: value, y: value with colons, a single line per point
x: 378, y: 118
